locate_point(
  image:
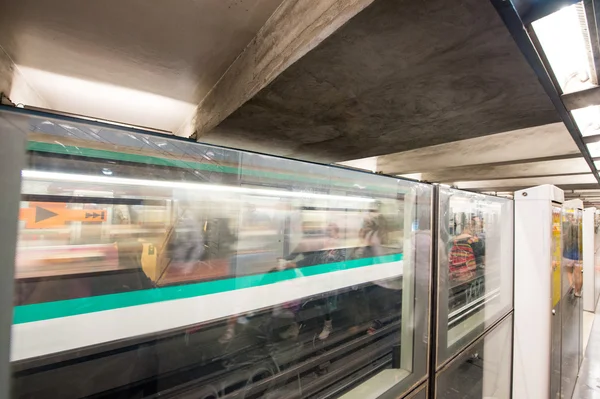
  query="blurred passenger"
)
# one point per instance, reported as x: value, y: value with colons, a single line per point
x: 320, y: 251
x: 186, y: 245
x: 374, y: 232
x: 465, y: 252
x: 332, y: 254
x: 477, y: 230
x: 254, y: 219
x: 308, y: 247
x: 571, y: 254
x: 129, y: 247
x: 121, y: 214
x: 478, y: 227
x: 288, y: 310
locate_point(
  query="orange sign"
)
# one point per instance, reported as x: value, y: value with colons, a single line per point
x: 40, y: 216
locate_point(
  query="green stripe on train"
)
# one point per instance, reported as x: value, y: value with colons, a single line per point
x: 118, y: 156
x: 152, y: 160
x: 72, y: 307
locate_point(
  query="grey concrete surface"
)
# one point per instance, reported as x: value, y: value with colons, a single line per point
x: 541, y: 141
x: 173, y: 49
x: 6, y: 72
x: 400, y: 75
x: 295, y: 28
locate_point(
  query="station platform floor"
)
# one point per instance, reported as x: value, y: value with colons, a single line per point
x: 588, y: 382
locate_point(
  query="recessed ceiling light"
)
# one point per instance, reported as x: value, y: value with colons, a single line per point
x: 594, y: 149
x: 588, y: 120
x: 565, y: 41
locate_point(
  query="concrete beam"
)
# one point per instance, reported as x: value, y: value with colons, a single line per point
x: 583, y: 179
x: 6, y: 72
x: 582, y: 99
x: 505, y: 191
x: 532, y: 169
x: 15, y: 86
x: 531, y: 144
x: 295, y: 28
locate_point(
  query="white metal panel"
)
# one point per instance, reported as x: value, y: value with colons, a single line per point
x: 574, y: 203
x: 533, y: 291
x: 546, y: 192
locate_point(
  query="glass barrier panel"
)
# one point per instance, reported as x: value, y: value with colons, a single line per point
x: 556, y: 327
x: 419, y: 393
x: 475, y: 272
x: 150, y: 266
x: 571, y: 301
x: 483, y: 370
x: 596, y: 257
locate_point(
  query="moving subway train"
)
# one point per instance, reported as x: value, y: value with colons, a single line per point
x: 149, y: 266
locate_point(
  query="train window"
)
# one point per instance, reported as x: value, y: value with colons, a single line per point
x: 475, y: 267
x: 149, y: 266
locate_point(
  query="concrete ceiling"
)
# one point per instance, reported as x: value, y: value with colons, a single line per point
x: 97, y: 57
x: 398, y: 76
x: 433, y: 89
x: 502, y: 162
x: 544, y: 141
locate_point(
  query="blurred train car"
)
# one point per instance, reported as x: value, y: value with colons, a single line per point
x: 152, y: 267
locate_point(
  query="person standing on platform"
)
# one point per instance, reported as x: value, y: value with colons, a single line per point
x: 571, y: 254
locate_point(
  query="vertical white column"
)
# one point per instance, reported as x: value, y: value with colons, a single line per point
x: 589, y: 270
x: 533, y: 291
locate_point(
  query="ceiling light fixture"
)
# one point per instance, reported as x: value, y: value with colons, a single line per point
x: 594, y: 149
x: 588, y: 120
x: 565, y: 43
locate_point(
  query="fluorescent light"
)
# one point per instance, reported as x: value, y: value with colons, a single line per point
x: 565, y: 44
x: 594, y: 149
x: 588, y: 120
x: 77, y: 178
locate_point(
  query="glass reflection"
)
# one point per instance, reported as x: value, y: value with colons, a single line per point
x: 481, y: 371
x: 571, y: 306
x: 475, y: 261
x: 212, y: 273
x: 556, y: 328
x: 572, y: 250
x: 596, y: 256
